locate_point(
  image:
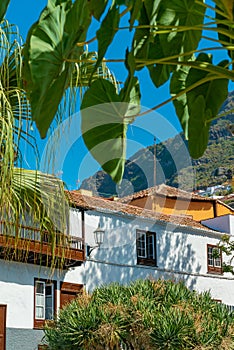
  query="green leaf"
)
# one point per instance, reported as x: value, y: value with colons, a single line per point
x: 107, y: 32
x: 143, y: 36
x: 135, y: 12
x: 226, y: 40
x: 227, y: 7
x: 97, y: 8
x: 121, y: 2
x: 131, y: 91
x: 104, y: 127
x: 187, y: 13
x: 50, y: 43
x: 159, y: 73
x: 215, y: 91
x: 198, y: 131
x: 177, y: 85
x: 199, y: 106
x: 3, y: 8
x: 212, y: 95
x: 131, y: 94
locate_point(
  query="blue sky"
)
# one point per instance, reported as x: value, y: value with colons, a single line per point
x: 163, y: 125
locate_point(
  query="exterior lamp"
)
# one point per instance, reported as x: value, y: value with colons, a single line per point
x: 99, y: 234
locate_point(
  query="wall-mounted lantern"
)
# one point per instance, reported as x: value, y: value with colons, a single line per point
x: 99, y: 234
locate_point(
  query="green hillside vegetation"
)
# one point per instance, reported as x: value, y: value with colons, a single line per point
x: 215, y: 167
x: 212, y: 168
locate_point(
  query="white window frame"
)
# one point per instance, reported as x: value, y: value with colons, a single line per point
x: 51, y: 284
x: 213, y: 259
x: 145, y: 248
x: 143, y: 233
x: 153, y: 245
x: 40, y: 305
x: 214, y: 264
x: 52, y: 299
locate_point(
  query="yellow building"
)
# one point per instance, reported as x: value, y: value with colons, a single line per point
x: 173, y: 201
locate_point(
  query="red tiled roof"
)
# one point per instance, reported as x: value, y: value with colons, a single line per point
x: 164, y: 190
x: 94, y: 203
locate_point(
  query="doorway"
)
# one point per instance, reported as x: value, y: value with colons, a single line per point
x: 3, y: 327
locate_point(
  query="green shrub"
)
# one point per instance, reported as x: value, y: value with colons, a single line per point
x: 145, y: 315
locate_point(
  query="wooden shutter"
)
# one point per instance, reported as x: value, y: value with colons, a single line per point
x: 68, y: 292
x: 3, y: 327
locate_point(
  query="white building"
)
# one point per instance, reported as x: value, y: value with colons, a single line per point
x: 138, y: 243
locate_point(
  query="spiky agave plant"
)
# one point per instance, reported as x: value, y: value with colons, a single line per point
x: 147, y: 315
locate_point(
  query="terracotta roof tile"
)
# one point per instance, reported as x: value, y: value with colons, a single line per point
x: 94, y: 203
x: 164, y: 190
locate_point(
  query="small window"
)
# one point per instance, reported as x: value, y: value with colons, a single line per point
x: 214, y: 259
x: 146, y: 248
x: 40, y: 300
x: 45, y: 302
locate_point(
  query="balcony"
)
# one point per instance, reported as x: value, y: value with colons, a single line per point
x: 31, y: 245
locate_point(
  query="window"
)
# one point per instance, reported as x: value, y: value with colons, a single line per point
x: 45, y: 302
x: 146, y: 248
x: 214, y: 259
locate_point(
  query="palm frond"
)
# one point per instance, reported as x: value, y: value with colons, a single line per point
x: 27, y: 197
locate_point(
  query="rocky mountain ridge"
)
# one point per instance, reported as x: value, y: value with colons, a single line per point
x: 173, y: 166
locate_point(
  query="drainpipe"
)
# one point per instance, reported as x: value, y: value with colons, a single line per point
x: 215, y: 208
x: 83, y: 230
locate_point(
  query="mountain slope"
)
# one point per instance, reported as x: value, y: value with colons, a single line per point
x: 174, y: 167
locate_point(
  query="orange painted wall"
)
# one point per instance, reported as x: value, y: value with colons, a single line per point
x: 198, y: 210
x: 223, y: 210
x: 145, y: 202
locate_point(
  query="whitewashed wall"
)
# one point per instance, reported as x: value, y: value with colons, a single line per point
x: 181, y: 255
x: 17, y: 289
x: 75, y: 223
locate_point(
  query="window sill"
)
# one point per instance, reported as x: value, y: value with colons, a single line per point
x: 146, y: 262
x: 215, y: 272
x: 40, y: 324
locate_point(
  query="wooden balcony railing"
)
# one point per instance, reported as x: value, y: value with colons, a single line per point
x: 19, y: 242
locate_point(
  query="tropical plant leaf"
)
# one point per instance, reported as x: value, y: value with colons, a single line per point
x: 186, y: 13
x: 107, y: 32
x: 215, y: 91
x: 198, y: 127
x: 181, y: 13
x: 53, y: 40
x: 159, y: 73
x: 97, y: 8
x: 144, y: 34
x: 26, y: 197
x: 130, y: 93
x: 104, y: 127
x: 3, y: 8
x: 223, y: 23
x: 135, y: 12
x: 227, y: 6
x: 42, y: 196
x: 199, y: 106
x: 178, y: 85
x: 84, y: 74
